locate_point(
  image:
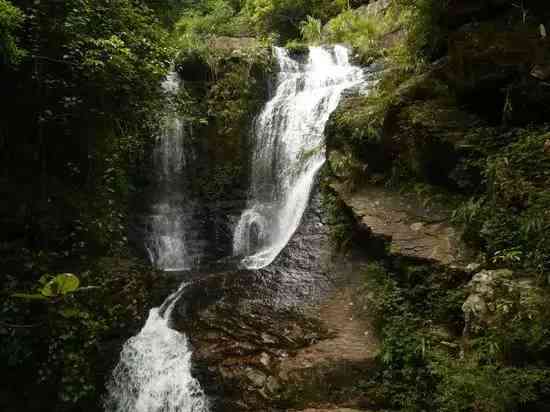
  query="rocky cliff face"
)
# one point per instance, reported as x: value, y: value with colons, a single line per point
x: 219, y: 97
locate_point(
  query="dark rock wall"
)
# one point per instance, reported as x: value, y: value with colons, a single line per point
x: 218, y: 103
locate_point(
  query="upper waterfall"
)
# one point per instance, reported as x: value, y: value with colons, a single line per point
x: 289, y: 149
x: 165, y: 242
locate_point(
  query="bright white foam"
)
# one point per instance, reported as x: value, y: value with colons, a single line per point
x: 165, y: 240
x: 289, y: 149
x: 154, y: 371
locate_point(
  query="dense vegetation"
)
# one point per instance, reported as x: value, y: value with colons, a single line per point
x: 457, y: 119
x: 80, y: 105
x: 453, y: 119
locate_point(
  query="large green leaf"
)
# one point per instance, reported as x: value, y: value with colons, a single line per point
x: 61, y: 285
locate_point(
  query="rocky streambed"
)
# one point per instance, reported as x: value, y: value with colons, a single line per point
x: 287, y: 337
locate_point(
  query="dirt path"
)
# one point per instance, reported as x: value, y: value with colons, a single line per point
x: 352, y: 338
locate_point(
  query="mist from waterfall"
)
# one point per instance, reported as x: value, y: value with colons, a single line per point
x: 289, y: 149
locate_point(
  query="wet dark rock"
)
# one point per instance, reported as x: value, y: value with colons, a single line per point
x: 276, y: 338
x: 462, y: 11
x: 541, y: 72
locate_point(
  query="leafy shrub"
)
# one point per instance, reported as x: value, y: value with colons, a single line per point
x: 510, y: 221
x: 426, y: 27
x: 284, y: 17
x: 11, y: 20
x: 425, y: 364
x: 467, y: 386
x: 68, y: 338
x: 360, y: 32
x: 340, y: 219
x: 310, y: 29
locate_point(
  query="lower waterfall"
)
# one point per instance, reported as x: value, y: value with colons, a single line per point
x: 289, y: 150
x: 154, y: 371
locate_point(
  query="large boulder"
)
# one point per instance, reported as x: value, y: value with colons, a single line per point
x: 492, y: 295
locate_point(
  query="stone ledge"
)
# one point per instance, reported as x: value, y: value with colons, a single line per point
x: 412, y: 229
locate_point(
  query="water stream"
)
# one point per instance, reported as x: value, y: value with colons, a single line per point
x: 154, y: 370
x: 289, y: 149
x: 165, y: 242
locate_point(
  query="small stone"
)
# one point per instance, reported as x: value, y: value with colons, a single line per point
x: 265, y: 359
x: 256, y: 377
x: 417, y: 226
x: 267, y: 339
x: 273, y: 385
x: 541, y: 72
x: 473, y: 267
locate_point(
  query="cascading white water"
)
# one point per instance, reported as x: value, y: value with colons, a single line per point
x: 289, y: 151
x: 165, y: 243
x: 154, y: 371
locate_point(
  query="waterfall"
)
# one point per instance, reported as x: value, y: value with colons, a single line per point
x: 165, y: 241
x: 154, y: 371
x: 289, y: 149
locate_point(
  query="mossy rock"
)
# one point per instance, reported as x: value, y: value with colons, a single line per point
x: 426, y: 136
x: 354, y: 128
x: 485, y: 60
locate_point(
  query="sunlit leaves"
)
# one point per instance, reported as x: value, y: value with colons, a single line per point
x: 53, y: 287
x: 11, y: 19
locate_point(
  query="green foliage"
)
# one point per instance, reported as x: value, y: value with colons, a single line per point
x: 284, y: 17
x: 510, y: 220
x: 469, y: 386
x: 52, y: 287
x: 341, y: 220
x: 67, y: 338
x: 209, y: 18
x: 426, y: 27
x: 90, y: 87
x: 11, y: 20
x: 359, y: 31
x: 310, y: 29
x: 417, y: 312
